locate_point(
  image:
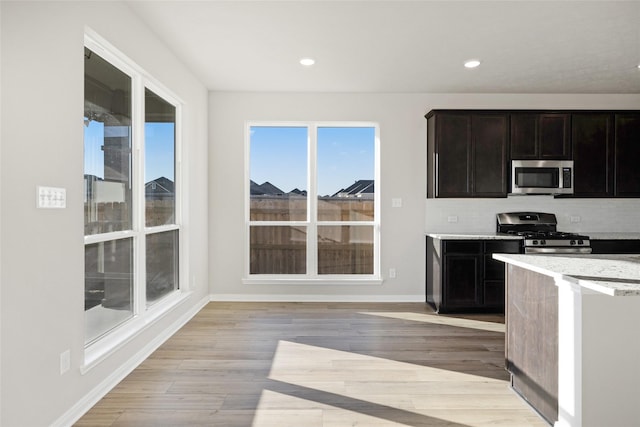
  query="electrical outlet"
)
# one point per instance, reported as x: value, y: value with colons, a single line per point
x: 575, y: 218
x: 392, y: 273
x: 452, y: 218
x: 65, y: 361
x: 396, y: 203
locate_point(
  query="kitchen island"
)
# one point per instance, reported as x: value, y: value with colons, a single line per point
x: 573, y: 336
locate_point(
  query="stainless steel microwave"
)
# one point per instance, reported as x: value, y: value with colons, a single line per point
x: 541, y: 177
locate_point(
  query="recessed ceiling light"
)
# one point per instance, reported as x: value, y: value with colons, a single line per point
x: 472, y: 63
x: 307, y: 62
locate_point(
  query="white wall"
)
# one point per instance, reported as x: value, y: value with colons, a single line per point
x: 403, y: 169
x: 42, y: 254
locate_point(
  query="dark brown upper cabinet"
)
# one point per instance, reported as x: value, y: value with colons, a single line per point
x: 592, y: 142
x: 627, y: 154
x: 467, y: 154
x: 606, y: 154
x: 540, y: 136
x: 469, y: 151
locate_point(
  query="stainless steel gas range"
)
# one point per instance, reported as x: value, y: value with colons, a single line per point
x: 540, y: 235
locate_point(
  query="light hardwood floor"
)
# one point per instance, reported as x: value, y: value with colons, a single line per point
x: 321, y: 364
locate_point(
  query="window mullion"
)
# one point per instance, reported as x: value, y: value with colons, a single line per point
x: 312, y: 196
x: 183, y: 249
x: 138, y: 195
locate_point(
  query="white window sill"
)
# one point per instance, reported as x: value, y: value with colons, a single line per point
x: 98, y: 351
x: 311, y: 281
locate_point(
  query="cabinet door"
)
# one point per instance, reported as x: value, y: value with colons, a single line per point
x: 540, y: 136
x: 592, y: 147
x: 627, y: 155
x: 489, y: 147
x: 453, y: 151
x: 462, y: 281
x: 494, y: 275
x: 524, y: 136
x: 554, y: 133
x: 494, y: 294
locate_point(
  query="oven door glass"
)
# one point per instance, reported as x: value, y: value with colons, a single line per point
x: 537, y: 177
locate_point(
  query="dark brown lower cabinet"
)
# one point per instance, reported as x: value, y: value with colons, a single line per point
x: 462, y: 276
x: 615, y: 246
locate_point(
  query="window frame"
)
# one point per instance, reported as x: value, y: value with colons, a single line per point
x: 311, y: 223
x: 143, y: 315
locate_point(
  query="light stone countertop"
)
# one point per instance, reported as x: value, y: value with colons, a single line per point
x: 615, y: 275
x: 472, y: 236
x: 599, y: 235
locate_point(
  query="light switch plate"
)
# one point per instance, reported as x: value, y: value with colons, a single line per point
x: 396, y: 203
x: 51, y: 197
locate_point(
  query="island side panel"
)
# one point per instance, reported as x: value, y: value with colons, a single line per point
x: 610, y: 347
x: 532, y: 338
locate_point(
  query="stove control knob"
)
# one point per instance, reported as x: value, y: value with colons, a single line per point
x: 573, y: 242
x: 580, y: 242
x: 535, y: 242
x: 543, y: 242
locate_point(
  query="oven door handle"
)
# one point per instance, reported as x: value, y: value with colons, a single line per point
x: 568, y: 250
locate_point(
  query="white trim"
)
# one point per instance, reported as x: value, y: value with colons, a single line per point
x: 161, y: 229
x: 98, y: 392
x: 312, y: 202
x: 108, y: 237
x: 115, y: 339
x: 113, y: 55
x: 315, y: 298
x: 299, y: 279
x: 138, y: 194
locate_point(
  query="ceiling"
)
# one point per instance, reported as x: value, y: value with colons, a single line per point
x: 400, y: 46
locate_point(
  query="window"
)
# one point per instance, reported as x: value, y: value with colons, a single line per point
x: 312, y: 206
x: 131, y: 200
x: 160, y: 197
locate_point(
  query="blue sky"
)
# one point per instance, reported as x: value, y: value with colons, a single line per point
x: 279, y: 155
x: 159, y: 150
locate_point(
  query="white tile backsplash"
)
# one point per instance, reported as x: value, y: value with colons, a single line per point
x: 479, y: 215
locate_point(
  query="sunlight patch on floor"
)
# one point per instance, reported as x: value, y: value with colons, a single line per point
x: 307, y: 365
x: 442, y: 320
x: 385, y: 385
x: 282, y: 410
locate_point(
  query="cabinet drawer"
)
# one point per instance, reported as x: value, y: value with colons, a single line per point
x: 503, y: 246
x: 463, y: 246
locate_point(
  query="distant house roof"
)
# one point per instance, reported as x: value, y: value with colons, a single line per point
x: 265, y: 189
x: 357, y: 189
x: 159, y: 186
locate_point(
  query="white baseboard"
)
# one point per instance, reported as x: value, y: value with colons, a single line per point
x: 316, y: 298
x: 98, y: 392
